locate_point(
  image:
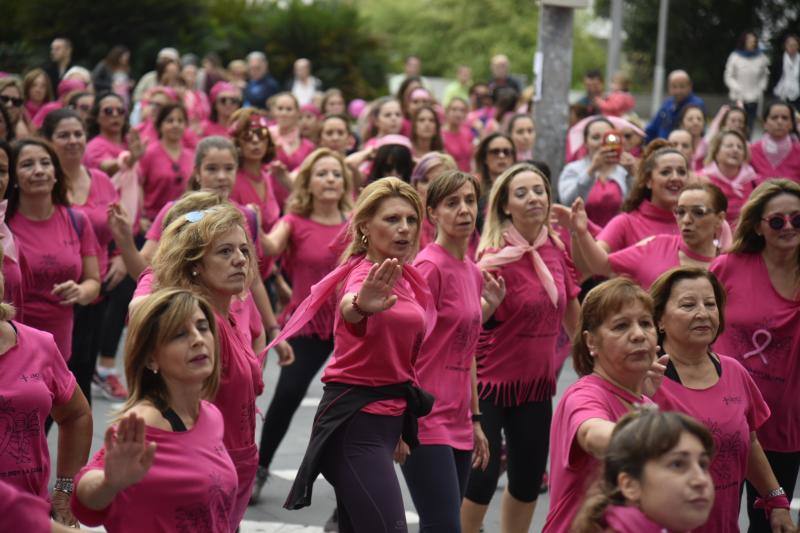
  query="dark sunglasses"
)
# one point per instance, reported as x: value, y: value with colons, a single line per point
x: 113, y: 111
x: 696, y: 211
x: 82, y: 107
x: 778, y: 221
x: 500, y: 152
x: 11, y: 101
x: 259, y: 134
x: 225, y: 100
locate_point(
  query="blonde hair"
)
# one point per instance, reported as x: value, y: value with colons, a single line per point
x: 7, y: 310
x: 191, y: 201
x: 368, y: 204
x: 301, y: 202
x: 153, y: 324
x: 496, y: 218
x: 184, y: 244
x: 716, y: 144
x: 746, y: 240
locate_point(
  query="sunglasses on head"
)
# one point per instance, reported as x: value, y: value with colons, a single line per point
x: 500, y: 152
x: 226, y: 100
x: 696, y: 211
x: 11, y: 101
x: 113, y: 111
x: 779, y: 220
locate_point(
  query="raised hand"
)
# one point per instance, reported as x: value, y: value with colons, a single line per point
x: 128, y: 456
x: 119, y: 222
x: 578, y: 219
x: 135, y: 146
x: 560, y: 216
x: 375, y: 294
x: 494, y: 289
x: 655, y: 375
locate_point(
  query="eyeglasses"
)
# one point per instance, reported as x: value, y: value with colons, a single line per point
x: 500, y: 152
x: 696, y: 211
x: 113, y: 111
x: 257, y: 134
x: 11, y: 101
x: 779, y: 220
x: 227, y: 100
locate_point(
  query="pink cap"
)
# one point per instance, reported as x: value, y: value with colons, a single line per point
x: 386, y: 140
x: 311, y: 108
x: 356, y: 107
x: 223, y: 87
x: 67, y: 86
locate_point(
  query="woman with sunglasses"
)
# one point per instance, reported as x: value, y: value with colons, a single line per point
x: 700, y: 213
x: 777, y: 153
x: 166, y: 165
x: 89, y: 191
x: 597, y: 179
x: 110, y: 135
x: 727, y: 167
x: 761, y: 275
x: 11, y: 99
x: 226, y: 98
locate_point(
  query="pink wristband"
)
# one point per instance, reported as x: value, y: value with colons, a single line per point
x: 768, y: 504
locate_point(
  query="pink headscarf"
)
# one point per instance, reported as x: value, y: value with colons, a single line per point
x: 223, y: 87
x: 402, y: 140
x: 67, y: 86
x: 517, y: 247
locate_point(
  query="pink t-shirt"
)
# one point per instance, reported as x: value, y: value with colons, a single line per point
x: 459, y: 145
x: 731, y: 409
x: 244, y: 193
x: 33, y: 379
x: 100, y: 149
x: 162, y: 178
x: 573, y: 470
x: 101, y: 194
x: 296, y: 158
x: 646, y: 261
x: 626, y: 229
x: 53, y: 253
x: 214, y: 128
x: 517, y: 347
x: 191, y: 485
x: 762, y: 332
x: 308, y: 259
x: 379, y: 350
x: 12, y: 285
x: 21, y: 511
x: 445, y: 359
x: 788, y: 168
x: 603, y: 201
x: 629, y: 519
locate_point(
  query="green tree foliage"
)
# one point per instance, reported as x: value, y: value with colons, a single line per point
x: 701, y: 33
x: 331, y: 34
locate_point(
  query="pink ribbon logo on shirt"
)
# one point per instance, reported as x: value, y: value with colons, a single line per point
x: 760, y: 346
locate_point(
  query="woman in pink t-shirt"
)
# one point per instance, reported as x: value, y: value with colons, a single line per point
x: 457, y: 135
x: 56, y: 242
x: 292, y: 149
x: 761, y: 275
x: 655, y: 477
x: 426, y: 132
x: 517, y: 346
x: 425, y: 171
x: 522, y: 130
x: 110, y: 135
x: 163, y: 465
x: 35, y: 385
x: 335, y: 134
x: 210, y: 252
x: 317, y: 213
x: 91, y: 192
x: 384, y: 314
x: 11, y: 259
x: 614, y: 354
x: 715, y: 389
x: 777, y: 154
x: 166, y: 165
x: 451, y: 438
x: 225, y: 98
x: 728, y: 167
x: 647, y: 210
x: 700, y: 214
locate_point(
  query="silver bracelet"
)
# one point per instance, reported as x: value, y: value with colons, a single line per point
x: 64, y: 484
x: 776, y: 492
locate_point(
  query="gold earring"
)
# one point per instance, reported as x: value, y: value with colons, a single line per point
x: 364, y: 240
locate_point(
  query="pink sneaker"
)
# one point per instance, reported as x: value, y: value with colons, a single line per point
x: 110, y: 387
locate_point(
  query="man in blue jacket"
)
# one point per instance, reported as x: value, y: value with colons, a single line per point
x: 679, y: 87
x: 260, y: 85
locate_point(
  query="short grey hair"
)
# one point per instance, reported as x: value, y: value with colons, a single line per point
x: 260, y: 56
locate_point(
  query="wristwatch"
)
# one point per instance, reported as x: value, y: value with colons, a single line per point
x: 776, y: 492
x: 64, y: 484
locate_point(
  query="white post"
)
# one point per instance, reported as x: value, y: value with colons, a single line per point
x: 658, y: 75
x: 614, y: 40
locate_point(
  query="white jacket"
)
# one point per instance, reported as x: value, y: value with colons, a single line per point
x: 746, y: 77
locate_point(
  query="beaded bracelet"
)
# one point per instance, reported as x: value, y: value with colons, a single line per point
x: 358, y: 309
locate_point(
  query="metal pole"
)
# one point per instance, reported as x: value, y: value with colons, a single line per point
x: 614, y: 40
x: 658, y: 75
x: 551, y: 111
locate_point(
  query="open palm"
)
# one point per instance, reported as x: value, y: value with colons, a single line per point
x: 128, y: 456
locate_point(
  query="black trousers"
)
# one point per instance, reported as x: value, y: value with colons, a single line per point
x: 785, y: 465
x: 87, y: 332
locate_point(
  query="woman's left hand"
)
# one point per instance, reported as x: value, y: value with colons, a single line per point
x: 781, y: 521
x: 59, y: 505
x: 480, y: 452
x: 655, y: 375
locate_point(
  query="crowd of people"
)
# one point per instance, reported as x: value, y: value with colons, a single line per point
x: 418, y: 252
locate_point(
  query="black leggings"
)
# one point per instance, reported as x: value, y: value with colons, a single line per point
x: 115, y: 314
x: 310, y: 354
x: 785, y: 465
x: 436, y: 475
x: 527, y: 431
x: 86, y: 332
x: 358, y: 462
